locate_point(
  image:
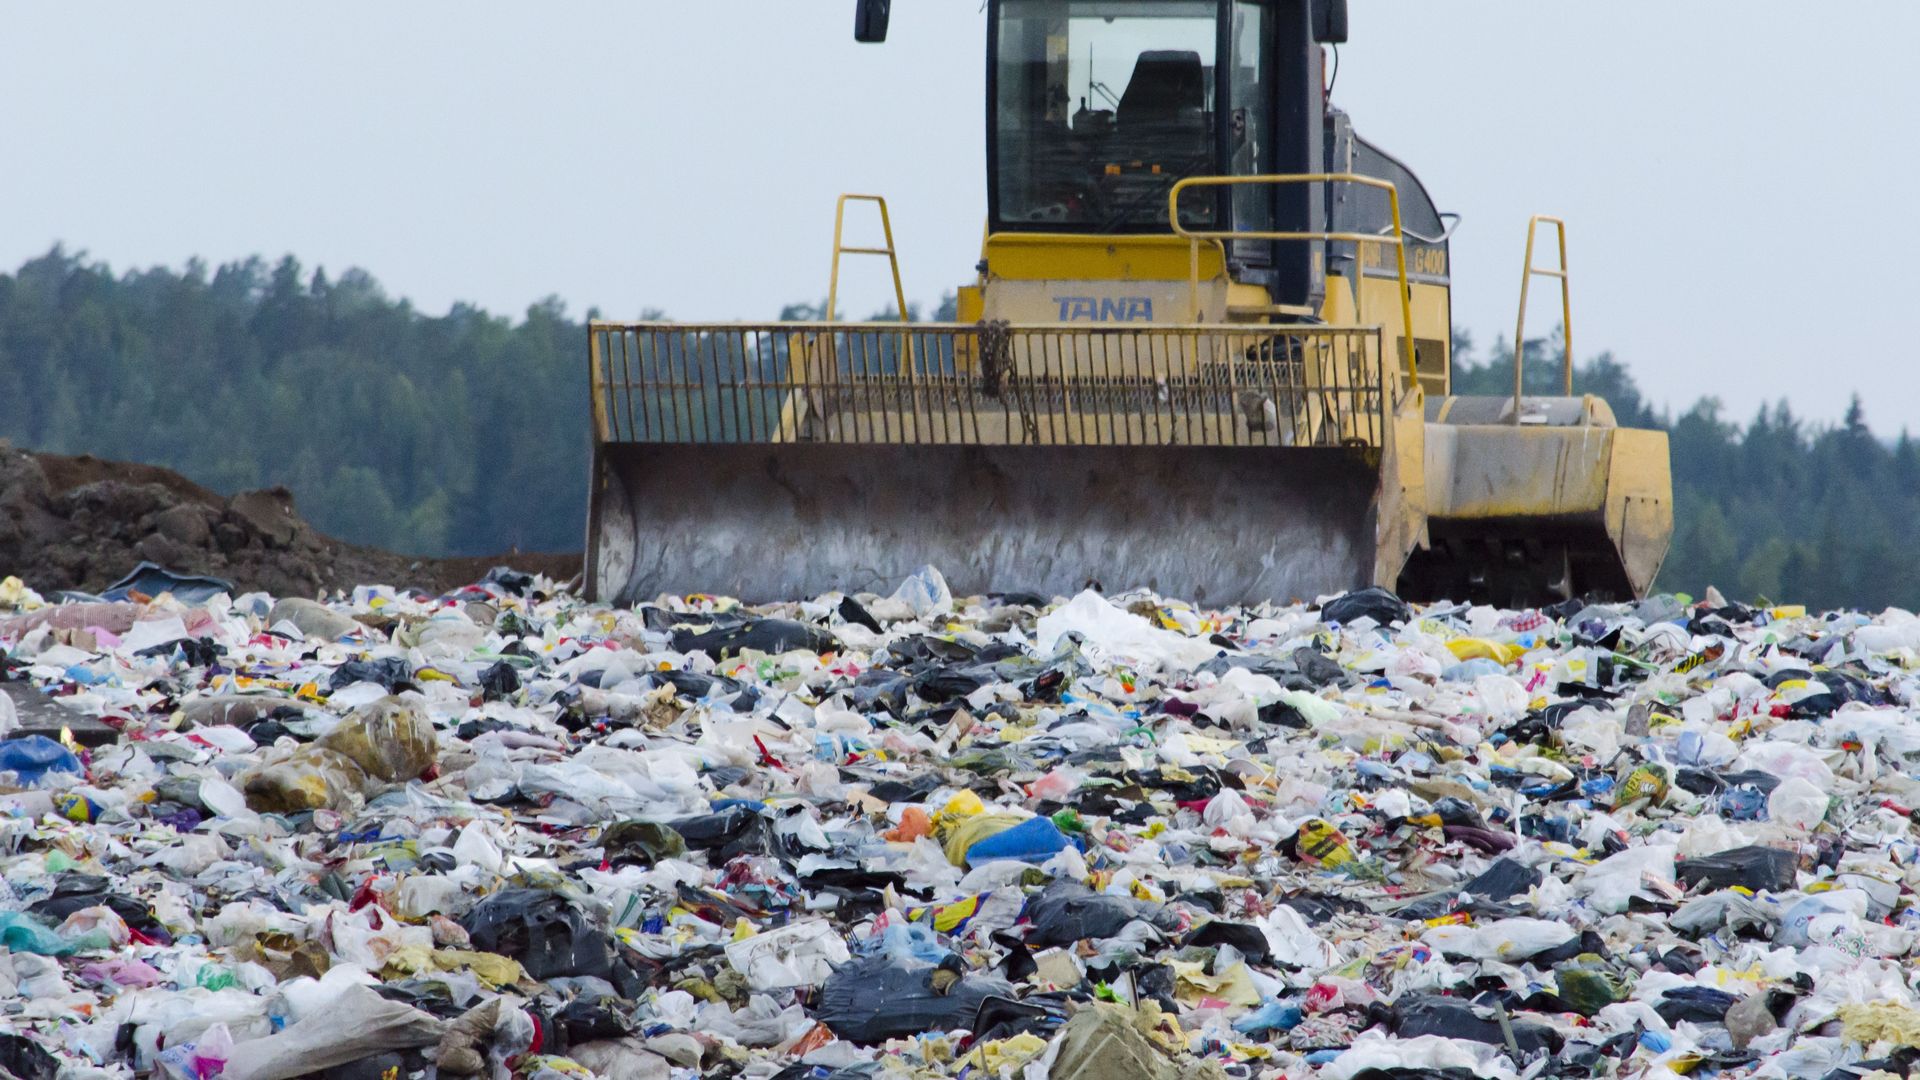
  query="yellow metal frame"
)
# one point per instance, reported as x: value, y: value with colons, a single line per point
x: 1398, y: 238
x: 839, y: 249
x: 1566, y: 310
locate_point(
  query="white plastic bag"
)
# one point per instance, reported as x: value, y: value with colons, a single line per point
x: 1797, y: 803
x: 925, y: 593
x: 1612, y: 882
x: 798, y: 954
x: 1120, y: 634
x: 1510, y: 940
x: 360, y: 1023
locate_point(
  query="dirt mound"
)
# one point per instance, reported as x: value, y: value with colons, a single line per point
x: 83, y: 523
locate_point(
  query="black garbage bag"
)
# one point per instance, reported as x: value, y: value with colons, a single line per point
x: 1067, y: 911
x: 1279, y: 712
x: 913, y: 789
x: 1374, y: 603
x: 1317, y: 908
x: 729, y: 833
x: 879, y: 689
x: 1755, y: 867
x: 1503, y: 880
x: 1003, y: 1018
x: 194, y: 652
x: 74, y: 891
x: 391, y: 672
x: 1318, y: 668
x: 499, y: 681
x: 583, y: 1021
x: 26, y: 1059
x: 687, y: 684
x: 851, y: 611
x: 763, y: 635
x: 1698, y: 1004
x: 873, y: 999
x: 1456, y: 1018
x: 542, y: 931
x: 510, y: 581
x: 1250, y: 940
x: 1709, y: 782
x: 943, y: 685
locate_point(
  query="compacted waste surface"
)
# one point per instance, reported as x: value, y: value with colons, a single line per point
x: 503, y: 831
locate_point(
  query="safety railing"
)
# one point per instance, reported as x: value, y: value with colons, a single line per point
x: 988, y: 384
x: 1397, y: 239
x: 1566, y: 311
x: 840, y: 248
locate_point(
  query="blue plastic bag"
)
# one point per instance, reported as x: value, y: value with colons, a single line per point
x: 32, y: 757
x: 1035, y: 840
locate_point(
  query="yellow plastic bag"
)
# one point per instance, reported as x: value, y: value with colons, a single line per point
x: 311, y: 778
x: 1320, y: 842
x: 1471, y: 648
x: 1648, y: 782
x: 390, y: 738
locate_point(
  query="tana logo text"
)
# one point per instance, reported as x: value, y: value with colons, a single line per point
x: 1105, y: 308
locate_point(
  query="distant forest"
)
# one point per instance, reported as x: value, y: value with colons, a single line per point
x: 466, y: 433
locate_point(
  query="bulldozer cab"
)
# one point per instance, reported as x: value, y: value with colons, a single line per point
x: 1206, y: 351
x: 1097, y: 108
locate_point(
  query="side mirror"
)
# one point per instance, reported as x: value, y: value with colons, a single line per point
x: 1329, y: 22
x: 870, y: 21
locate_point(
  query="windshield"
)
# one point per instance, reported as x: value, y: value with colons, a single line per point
x: 1101, y: 105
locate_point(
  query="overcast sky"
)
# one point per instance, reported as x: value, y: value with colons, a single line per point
x: 1739, y: 174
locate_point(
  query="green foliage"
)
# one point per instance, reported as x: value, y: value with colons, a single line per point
x: 463, y: 433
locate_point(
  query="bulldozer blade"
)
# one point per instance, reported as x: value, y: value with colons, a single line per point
x: 766, y: 521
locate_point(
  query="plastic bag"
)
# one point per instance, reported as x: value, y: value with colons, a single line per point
x: 925, y: 593
x: 1614, y: 881
x: 1375, y: 1052
x: 1034, y: 840
x: 541, y: 930
x: 871, y: 1000
x: 1066, y: 912
x: 1509, y: 940
x: 1105, y: 1041
x: 1119, y: 633
x: 1453, y: 1018
x: 31, y: 758
x: 23, y: 933
x: 772, y: 636
x: 359, y: 1023
x: 310, y: 778
x: 489, y: 1032
x: 798, y: 954
x: 1798, y: 803
x: 390, y: 739
x: 1759, y: 868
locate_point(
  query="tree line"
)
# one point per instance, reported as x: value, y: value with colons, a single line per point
x: 467, y: 433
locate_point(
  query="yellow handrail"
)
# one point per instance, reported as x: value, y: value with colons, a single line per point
x: 1397, y: 239
x: 1566, y: 310
x: 886, y: 228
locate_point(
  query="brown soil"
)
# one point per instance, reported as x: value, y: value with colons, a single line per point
x: 82, y: 523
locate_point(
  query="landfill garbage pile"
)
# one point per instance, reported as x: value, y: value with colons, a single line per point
x: 504, y: 832
x: 82, y: 523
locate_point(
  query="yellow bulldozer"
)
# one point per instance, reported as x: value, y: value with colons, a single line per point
x: 1207, y: 350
